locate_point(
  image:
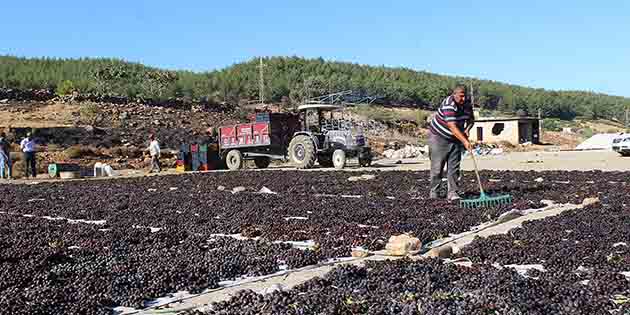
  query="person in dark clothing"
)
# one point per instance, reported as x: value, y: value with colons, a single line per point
x: 28, y: 147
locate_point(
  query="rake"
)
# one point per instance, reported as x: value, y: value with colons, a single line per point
x: 484, y: 200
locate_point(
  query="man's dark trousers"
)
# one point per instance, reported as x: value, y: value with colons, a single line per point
x: 29, y: 164
x: 444, y: 152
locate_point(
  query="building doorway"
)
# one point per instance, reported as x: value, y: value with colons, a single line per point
x: 525, y: 132
x: 480, y: 134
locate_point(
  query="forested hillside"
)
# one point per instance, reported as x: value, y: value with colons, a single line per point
x: 290, y: 80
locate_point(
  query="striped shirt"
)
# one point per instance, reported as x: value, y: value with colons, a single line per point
x: 449, y: 111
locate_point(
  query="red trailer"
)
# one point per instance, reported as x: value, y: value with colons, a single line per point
x: 265, y: 138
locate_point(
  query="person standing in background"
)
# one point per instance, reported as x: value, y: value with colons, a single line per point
x: 28, y: 148
x: 154, y: 151
x: 5, y: 157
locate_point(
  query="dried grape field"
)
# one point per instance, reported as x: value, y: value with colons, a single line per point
x: 89, y: 247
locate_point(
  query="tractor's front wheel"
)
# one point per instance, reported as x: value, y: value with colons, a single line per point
x: 339, y: 159
x: 302, y: 152
x: 234, y: 160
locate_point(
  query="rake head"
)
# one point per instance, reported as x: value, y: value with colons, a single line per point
x: 485, y: 201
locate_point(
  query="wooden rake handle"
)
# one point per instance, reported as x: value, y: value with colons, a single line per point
x: 472, y: 155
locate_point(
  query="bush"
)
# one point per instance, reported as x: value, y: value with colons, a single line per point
x: 487, y: 113
x: 373, y: 113
x: 587, y: 133
x: 74, y: 152
x: 242, y: 115
x: 550, y: 124
x: 53, y: 147
x: 421, y: 118
x: 90, y: 113
x: 65, y: 88
x: 77, y: 151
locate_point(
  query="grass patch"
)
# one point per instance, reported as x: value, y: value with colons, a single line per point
x: 74, y: 152
x: 53, y: 147
x: 78, y: 151
x: 385, y: 115
x: 587, y: 132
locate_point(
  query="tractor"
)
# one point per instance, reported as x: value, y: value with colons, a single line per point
x: 313, y: 134
x: 327, y: 139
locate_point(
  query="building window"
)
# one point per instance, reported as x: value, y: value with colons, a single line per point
x: 498, y: 128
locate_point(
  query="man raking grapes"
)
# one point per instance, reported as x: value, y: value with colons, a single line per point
x: 448, y: 136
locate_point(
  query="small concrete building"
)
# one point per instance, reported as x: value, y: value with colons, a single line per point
x: 513, y: 130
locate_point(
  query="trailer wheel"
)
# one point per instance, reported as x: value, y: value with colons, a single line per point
x: 234, y: 160
x: 339, y: 159
x: 302, y: 152
x: 262, y: 162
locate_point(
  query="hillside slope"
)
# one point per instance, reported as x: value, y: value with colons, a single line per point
x: 290, y: 80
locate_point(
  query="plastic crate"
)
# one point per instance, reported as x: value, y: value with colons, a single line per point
x: 263, y: 117
x: 203, y: 157
x: 195, y: 162
x: 55, y: 169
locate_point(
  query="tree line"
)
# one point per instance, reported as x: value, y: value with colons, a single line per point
x: 291, y: 80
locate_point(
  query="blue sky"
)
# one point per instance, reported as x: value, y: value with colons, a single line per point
x: 577, y: 45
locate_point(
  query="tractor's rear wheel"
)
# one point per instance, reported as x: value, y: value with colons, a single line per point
x: 339, y: 159
x: 262, y: 162
x: 302, y: 152
x: 234, y: 160
x: 325, y: 160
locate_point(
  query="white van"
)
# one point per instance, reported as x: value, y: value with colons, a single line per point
x: 621, y: 144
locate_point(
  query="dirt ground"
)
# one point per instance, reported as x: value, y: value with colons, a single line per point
x: 537, y: 161
x: 514, y: 161
x: 37, y: 115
